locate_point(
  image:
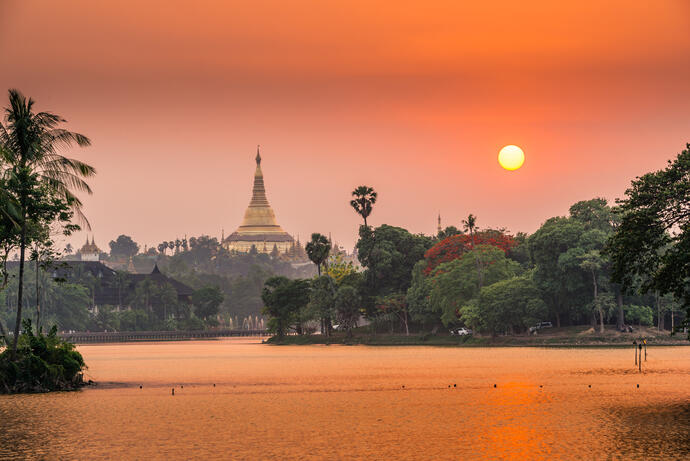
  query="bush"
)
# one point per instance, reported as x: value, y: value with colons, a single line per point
x: 639, y: 315
x: 42, y: 363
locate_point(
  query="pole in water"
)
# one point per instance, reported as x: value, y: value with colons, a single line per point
x: 173, y: 391
x: 645, y: 349
x: 635, y: 349
x: 640, y: 362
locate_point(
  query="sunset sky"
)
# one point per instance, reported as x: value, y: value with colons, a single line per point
x: 412, y: 98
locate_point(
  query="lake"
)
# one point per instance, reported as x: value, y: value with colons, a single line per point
x: 239, y: 399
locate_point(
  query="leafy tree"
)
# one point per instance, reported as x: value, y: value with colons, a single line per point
x: 207, y: 300
x: 455, y: 246
x: 456, y: 282
x: 318, y: 249
x: 322, y: 301
x: 508, y: 305
x: 30, y: 148
x: 652, y: 242
x: 640, y: 315
x: 388, y: 255
x: 283, y: 299
x: 347, y: 305
x: 341, y: 271
x: 363, y: 201
x: 561, y: 284
x: 123, y: 247
x: 41, y: 363
x: 395, y: 304
x: 448, y: 232
x: 419, y: 294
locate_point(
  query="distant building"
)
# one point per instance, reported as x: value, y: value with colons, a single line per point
x: 259, y: 230
x: 88, y: 251
x: 110, y: 287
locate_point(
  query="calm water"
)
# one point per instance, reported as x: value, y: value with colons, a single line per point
x: 340, y: 402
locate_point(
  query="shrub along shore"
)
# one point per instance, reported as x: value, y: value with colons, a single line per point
x: 558, y: 337
x: 42, y: 363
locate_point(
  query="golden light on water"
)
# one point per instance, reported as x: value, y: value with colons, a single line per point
x: 511, y: 157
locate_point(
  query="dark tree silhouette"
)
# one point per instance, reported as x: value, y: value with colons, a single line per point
x: 364, y: 199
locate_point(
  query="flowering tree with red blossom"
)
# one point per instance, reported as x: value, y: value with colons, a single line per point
x: 455, y: 246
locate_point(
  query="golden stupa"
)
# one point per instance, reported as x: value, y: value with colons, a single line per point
x: 259, y: 227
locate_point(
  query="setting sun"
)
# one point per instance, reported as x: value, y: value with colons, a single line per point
x: 511, y: 157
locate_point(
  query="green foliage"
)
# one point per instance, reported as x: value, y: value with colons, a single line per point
x: 347, y: 307
x: 42, y: 363
x: 639, y: 315
x: 363, y: 201
x: 457, y: 282
x: 123, y: 247
x: 652, y: 243
x: 283, y: 300
x: 388, y: 253
x: 318, y: 249
x: 206, y: 301
x: 511, y: 305
x: 38, y: 183
x: 239, y: 276
x: 419, y: 294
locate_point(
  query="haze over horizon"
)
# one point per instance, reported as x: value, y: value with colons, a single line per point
x: 415, y: 102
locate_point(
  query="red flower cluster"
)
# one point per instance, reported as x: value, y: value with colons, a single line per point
x: 455, y: 246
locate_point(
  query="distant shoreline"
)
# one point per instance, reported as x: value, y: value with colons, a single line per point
x: 561, y: 340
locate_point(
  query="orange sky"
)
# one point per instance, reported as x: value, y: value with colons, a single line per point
x: 412, y: 98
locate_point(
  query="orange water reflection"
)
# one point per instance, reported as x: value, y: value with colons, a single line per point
x: 339, y: 402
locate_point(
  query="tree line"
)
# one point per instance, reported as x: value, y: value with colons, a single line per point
x: 623, y: 264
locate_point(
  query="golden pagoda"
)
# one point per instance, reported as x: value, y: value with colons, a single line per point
x: 259, y: 228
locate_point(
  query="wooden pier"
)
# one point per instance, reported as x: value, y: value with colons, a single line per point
x: 134, y: 336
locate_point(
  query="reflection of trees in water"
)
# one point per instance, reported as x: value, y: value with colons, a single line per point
x: 652, y: 432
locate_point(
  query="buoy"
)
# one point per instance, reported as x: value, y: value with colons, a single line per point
x: 455, y: 385
x: 638, y: 385
x: 214, y: 384
x: 590, y: 386
x: 403, y: 386
x: 181, y: 387
x: 140, y: 386
x: 494, y: 385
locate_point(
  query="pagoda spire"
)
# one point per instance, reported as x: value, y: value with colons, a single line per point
x: 439, y: 222
x: 259, y: 191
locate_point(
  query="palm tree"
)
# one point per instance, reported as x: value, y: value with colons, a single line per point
x: 318, y: 249
x: 470, y: 225
x: 31, y: 143
x: 365, y: 197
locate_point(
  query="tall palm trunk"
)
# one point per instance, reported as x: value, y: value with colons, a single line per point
x: 621, y: 315
x: 38, y: 297
x: 596, y: 302
x: 20, y: 282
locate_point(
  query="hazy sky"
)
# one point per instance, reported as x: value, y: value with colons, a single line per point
x: 412, y: 98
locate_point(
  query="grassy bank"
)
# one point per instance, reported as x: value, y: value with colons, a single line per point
x: 580, y: 336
